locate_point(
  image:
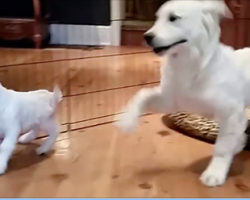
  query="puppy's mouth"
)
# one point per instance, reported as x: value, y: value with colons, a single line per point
x: 159, y: 50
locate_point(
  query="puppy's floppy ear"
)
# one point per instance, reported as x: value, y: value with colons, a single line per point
x: 217, y: 7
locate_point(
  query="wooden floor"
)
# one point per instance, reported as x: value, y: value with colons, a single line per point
x: 91, y: 157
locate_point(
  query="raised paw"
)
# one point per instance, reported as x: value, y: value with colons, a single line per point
x: 213, y: 177
x: 127, y: 122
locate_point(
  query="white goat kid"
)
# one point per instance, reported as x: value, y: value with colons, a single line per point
x: 29, y: 113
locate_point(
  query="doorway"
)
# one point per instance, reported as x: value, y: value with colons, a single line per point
x: 139, y: 17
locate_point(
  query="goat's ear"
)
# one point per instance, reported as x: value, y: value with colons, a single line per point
x: 217, y: 7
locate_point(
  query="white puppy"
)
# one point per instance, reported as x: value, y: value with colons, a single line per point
x: 29, y: 113
x: 200, y: 75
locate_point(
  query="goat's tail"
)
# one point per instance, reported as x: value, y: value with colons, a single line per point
x: 57, y: 95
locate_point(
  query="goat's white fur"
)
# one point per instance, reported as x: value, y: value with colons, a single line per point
x: 29, y: 113
x: 200, y: 76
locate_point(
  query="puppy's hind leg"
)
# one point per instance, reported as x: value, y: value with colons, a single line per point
x: 28, y: 137
x: 231, y: 140
x: 50, y: 126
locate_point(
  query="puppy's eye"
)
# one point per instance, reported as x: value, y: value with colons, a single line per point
x: 173, y: 17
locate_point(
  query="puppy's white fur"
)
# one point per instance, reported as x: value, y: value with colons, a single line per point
x: 200, y: 76
x: 29, y: 113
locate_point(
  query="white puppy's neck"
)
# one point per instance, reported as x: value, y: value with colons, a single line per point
x: 191, y: 65
x: 197, y: 57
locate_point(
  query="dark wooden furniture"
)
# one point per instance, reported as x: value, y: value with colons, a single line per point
x: 34, y: 28
x: 235, y: 33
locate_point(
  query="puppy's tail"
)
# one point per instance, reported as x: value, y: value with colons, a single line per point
x: 57, y: 96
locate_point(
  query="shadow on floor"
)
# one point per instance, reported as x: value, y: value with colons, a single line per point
x: 26, y: 158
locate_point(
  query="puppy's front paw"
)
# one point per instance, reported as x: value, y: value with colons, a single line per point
x: 127, y: 122
x: 213, y: 177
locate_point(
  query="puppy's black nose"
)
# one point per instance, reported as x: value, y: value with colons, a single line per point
x: 149, y: 37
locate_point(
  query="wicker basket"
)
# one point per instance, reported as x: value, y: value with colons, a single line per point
x: 197, y: 126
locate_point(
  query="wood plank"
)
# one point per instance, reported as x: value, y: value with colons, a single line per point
x: 101, y: 162
x: 27, y: 56
x: 106, y: 73
x: 91, y: 106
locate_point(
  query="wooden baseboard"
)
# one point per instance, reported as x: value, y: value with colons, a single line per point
x: 132, y: 32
